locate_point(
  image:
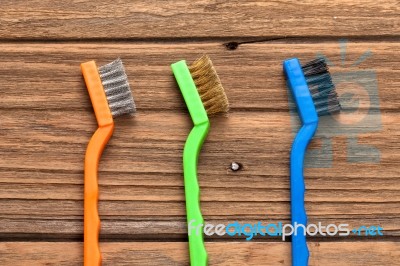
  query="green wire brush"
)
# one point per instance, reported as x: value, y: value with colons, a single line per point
x: 203, y: 93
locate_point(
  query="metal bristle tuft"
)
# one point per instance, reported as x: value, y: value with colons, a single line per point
x: 321, y: 87
x: 116, y: 87
x: 209, y: 86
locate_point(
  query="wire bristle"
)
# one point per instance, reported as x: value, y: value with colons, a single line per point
x: 209, y: 86
x: 322, y: 89
x: 116, y: 87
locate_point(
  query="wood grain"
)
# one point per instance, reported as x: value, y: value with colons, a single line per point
x: 47, y: 75
x: 47, y: 19
x: 174, y: 253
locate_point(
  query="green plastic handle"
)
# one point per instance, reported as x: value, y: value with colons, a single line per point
x: 198, y: 254
x: 194, y: 142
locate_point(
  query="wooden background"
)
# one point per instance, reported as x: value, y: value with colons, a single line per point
x: 46, y: 121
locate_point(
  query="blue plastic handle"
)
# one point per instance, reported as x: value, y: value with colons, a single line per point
x: 300, y: 252
x: 309, y: 117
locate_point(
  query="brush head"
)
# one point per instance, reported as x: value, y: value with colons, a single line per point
x: 209, y: 86
x: 322, y: 89
x: 116, y: 87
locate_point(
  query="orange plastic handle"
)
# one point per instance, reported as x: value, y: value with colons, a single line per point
x: 91, y: 217
x: 97, y: 143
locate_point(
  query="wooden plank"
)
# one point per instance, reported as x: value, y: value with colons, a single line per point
x: 260, y: 141
x: 175, y: 253
x: 239, y: 209
x: 47, y: 75
x: 182, y: 19
x: 214, y: 193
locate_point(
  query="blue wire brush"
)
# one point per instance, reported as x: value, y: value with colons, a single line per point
x: 315, y: 95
